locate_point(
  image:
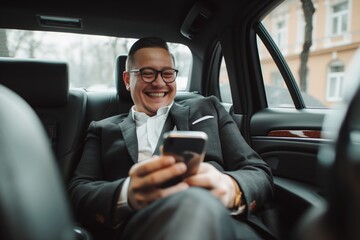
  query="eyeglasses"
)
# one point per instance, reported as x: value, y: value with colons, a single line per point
x: 149, y: 75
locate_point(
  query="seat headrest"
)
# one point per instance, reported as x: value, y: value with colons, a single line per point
x: 31, y: 189
x: 119, y: 82
x: 40, y: 83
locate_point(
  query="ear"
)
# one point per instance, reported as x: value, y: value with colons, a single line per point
x: 126, y: 78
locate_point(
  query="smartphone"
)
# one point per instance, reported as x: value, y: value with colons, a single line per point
x: 185, y: 146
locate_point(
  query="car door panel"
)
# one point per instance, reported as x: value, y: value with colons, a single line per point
x: 290, y: 151
x: 289, y: 140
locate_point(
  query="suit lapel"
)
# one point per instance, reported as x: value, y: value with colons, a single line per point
x: 180, y: 116
x: 178, y: 113
x: 128, y: 129
x: 168, y: 126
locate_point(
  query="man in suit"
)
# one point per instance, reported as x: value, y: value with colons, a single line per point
x: 118, y: 185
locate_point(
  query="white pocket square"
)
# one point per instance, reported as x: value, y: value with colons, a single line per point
x: 201, y: 119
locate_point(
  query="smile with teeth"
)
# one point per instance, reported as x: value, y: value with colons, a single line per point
x: 158, y: 94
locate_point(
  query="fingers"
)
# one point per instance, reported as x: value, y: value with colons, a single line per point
x: 200, y: 180
x: 206, y: 168
x: 147, y: 177
x: 158, y: 193
x: 143, y: 198
x: 206, y: 177
x: 219, y: 184
x: 151, y: 165
x: 156, y: 178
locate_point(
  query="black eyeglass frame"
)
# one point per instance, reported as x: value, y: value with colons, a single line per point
x: 156, y: 73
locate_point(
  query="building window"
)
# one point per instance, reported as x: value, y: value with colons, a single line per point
x: 335, y: 81
x: 280, y: 33
x: 339, y: 18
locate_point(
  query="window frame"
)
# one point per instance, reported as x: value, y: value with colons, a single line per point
x: 341, y: 16
x: 335, y: 80
x: 281, y: 64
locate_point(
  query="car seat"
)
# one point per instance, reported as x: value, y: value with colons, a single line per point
x: 339, y: 170
x: 44, y: 85
x: 33, y: 205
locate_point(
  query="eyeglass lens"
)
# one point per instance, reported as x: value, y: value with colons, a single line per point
x: 149, y: 75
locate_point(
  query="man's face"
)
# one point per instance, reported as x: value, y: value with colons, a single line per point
x: 149, y: 97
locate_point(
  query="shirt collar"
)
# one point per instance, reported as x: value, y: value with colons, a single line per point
x: 140, y: 117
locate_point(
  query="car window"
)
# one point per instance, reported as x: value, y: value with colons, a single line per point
x: 317, y: 41
x: 224, y: 84
x: 91, y: 58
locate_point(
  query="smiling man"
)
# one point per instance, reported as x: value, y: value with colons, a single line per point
x: 118, y: 188
x: 157, y: 88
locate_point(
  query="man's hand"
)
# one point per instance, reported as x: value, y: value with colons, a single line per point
x: 219, y: 184
x: 146, y: 178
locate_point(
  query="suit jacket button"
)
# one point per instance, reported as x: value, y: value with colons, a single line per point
x: 253, y: 205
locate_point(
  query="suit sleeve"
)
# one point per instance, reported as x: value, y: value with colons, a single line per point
x: 94, y: 199
x: 241, y: 162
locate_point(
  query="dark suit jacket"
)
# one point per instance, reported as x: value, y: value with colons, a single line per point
x: 111, y: 149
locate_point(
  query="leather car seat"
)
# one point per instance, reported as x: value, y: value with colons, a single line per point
x: 44, y: 85
x: 339, y: 169
x: 33, y: 205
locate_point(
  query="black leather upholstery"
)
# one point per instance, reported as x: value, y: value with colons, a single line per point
x: 33, y: 205
x: 40, y: 83
x: 124, y: 94
x: 341, y: 161
x: 45, y: 86
x: 339, y: 169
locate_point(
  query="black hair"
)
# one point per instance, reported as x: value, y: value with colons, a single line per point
x: 147, y: 42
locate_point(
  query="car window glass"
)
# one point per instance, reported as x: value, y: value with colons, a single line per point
x: 317, y: 48
x: 224, y: 84
x: 91, y: 58
x: 277, y: 93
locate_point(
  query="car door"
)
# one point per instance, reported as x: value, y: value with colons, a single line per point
x: 288, y: 137
x: 280, y: 117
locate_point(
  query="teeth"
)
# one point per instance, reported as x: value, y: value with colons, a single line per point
x: 157, y: 94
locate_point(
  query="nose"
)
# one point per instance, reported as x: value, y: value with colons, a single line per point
x: 158, y: 80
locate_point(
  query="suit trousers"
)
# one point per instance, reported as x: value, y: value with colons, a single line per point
x: 188, y: 215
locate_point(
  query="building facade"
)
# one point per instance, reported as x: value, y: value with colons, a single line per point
x: 335, y: 38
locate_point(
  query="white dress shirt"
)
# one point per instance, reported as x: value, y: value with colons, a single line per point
x: 148, y: 130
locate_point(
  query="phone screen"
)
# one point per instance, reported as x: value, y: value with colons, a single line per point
x: 183, y: 145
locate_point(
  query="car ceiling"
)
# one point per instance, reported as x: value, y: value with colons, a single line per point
x: 134, y: 18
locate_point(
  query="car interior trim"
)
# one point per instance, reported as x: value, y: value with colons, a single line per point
x: 282, y: 65
x: 295, y: 133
